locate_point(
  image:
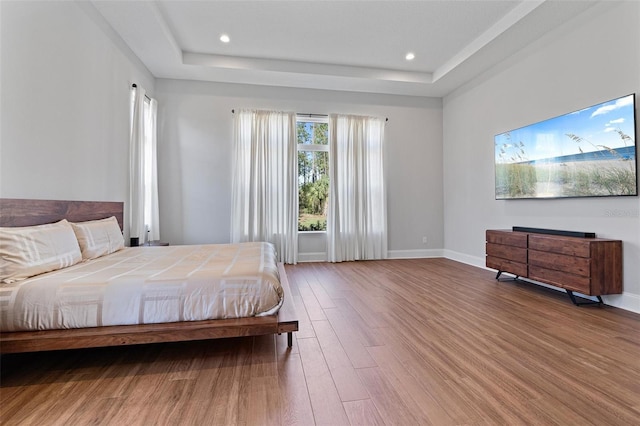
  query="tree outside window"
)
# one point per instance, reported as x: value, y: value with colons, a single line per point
x: 313, y: 173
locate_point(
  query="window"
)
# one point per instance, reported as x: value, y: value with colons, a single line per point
x: 313, y: 173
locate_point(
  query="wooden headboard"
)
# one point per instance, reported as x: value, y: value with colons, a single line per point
x: 23, y: 212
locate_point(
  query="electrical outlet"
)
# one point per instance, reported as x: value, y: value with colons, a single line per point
x: 424, y: 240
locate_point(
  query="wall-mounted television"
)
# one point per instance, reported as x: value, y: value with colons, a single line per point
x: 587, y: 153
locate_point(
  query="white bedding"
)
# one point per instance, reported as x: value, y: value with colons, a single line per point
x: 145, y: 285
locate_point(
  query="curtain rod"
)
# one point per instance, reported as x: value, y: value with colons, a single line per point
x: 135, y: 86
x: 307, y: 114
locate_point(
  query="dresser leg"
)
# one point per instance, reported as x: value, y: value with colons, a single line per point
x: 515, y: 278
x: 590, y: 302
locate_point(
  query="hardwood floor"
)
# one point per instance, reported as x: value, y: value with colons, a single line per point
x: 403, y: 342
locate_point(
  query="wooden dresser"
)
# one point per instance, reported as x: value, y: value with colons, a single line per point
x: 590, y: 266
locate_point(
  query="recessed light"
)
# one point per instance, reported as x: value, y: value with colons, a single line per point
x: 410, y: 56
x: 225, y: 38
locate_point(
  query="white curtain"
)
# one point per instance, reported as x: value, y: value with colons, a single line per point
x: 151, y: 208
x: 357, y: 218
x: 264, y: 189
x: 143, y: 182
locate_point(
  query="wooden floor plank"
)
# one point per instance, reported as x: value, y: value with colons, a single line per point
x: 368, y: 335
x: 409, y: 389
x: 263, y: 359
x: 314, y: 310
x: 263, y: 407
x: 350, y: 340
x: 344, y: 375
x: 325, y: 401
x: 331, y: 281
x: 363, y: 413
x: 392, y: 408
x: 315, y: 282
x: 402, y: 342
x: 305, y: 328
x: 295, y: 405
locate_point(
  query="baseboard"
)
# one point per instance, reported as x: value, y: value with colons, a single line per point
x: 465, y: 258
x: 414, y: 254
x: 627, y: 301
x: 312, y: 257
x: 391, y: 254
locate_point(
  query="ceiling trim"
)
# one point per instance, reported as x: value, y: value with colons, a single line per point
x: 277, y: 65
x: 166, y: 30
x: 508, y: 21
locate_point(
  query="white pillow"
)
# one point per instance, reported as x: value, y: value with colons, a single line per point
x: 33, y: 250
x: 98, y: 237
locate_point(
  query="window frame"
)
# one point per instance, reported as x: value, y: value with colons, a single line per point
x: 303, y: 147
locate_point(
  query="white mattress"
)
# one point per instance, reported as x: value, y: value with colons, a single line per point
x: 144, y: 285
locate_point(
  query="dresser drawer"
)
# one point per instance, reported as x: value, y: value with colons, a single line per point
x: 515, y: 254
x: 580, y: 247
x: 561, y: 279
x: 559, y: 262
x: 515, y: 239
x: 519, y: 269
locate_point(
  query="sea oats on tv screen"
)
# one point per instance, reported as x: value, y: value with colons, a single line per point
x: 587, y: 153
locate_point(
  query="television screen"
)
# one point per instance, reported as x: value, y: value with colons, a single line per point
x: 586, y: 153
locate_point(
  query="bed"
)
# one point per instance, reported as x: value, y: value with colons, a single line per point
x: 105, y: 329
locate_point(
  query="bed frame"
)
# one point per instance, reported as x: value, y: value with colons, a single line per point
x: 23, y: 212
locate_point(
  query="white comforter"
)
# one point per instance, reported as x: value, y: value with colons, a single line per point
x: 145, y: 285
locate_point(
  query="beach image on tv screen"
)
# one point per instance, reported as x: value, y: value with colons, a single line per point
x: 587, y: 153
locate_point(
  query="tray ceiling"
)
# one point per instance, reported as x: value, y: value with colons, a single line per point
x: 336, y: 45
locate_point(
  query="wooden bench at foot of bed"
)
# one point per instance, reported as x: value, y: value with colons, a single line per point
x: 15, y: 212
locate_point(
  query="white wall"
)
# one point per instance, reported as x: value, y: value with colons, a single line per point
x: 194, y: 154
x: 65, y: 82
x: 594, y: 59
